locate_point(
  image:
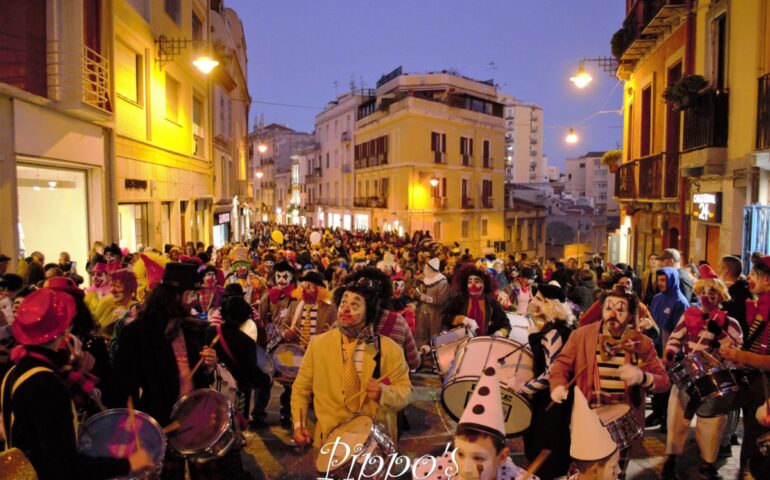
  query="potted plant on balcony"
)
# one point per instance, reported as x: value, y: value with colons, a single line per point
x: 612, y: 159
x: 685, y: 92
x: 618, y: 43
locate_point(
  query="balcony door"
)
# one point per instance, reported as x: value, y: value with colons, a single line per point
x: 673, y: 127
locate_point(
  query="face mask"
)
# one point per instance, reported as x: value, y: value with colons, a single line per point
x: 210, y: 279
x: 398, y: 288
x: 282, y: 279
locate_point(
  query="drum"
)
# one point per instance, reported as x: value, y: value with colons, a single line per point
x: 288, y: 358
x: 520, y: 327
x: 704, y: 379
x: 619, y: 421
x: 274, y: 336
x: 110, y: 434
x: 443, y: 348
x: 362, y: 435
x: 205, y: 425
x: 473, y: 356
x: 265, y: 362
x: 763, y: 444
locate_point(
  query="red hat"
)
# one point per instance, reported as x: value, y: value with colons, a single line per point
x: 43, y: 316
x: 98, y: 267
x: 64, y: 284
x: 397, y: 276
x: 154, y: 271
x: 766, y: 261
x: 706, y: 272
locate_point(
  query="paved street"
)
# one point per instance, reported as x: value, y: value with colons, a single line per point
x: 430, y: 431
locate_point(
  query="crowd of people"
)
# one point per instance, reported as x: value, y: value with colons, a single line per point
x: 340, y: 321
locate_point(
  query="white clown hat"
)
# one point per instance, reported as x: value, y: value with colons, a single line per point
x: 435, y: 264
x: 484, y: 411
x: 590, y: 439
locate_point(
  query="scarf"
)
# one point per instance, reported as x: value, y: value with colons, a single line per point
x: 275, y: 293
x: 476, y: 312
x: 695, y: 319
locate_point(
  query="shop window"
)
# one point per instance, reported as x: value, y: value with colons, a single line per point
x: 133, y: 227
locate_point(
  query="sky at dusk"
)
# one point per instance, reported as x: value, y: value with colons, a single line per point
x: 298, y: 49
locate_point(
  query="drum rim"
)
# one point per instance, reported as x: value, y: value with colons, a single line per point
x: 222, y: 430
x: 145, y: 416
x: 368, y: 439
x: 289, y: 346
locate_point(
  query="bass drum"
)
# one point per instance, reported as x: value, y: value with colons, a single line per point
x: 443, y: 348
x: 521, y: 325
x: 473, y: 357
x: 364, y: 437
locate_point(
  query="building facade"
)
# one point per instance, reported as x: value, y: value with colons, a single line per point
x: 588, y: 178
x: 429, y: 156
x: 524, y: 159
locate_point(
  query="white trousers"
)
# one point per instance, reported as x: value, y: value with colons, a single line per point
x: 708, y: 431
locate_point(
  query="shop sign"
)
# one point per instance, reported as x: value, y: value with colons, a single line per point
x: 707, y: 207
x: 223, y: 218
x: 134, y: 184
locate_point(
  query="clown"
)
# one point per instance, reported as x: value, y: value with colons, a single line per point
x: 120, y: 302
x: 700, y: 329
x: 474, y: 305
x: 402, y: 304
x: 113, y: 256
x: 521, y: 292
x: 432, y: 291
x: 210, y: 294
x: 275, y: 303
x: 252, y: 284
x: 480, y: 451
x: 267, y: 266
x: 100, y: 286
x: 613, y: 364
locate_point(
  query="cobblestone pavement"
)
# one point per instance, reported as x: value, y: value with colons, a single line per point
x: 270, y: 454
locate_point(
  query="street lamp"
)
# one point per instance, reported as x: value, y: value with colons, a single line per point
x: 433, y: 182
x: 583, y: 78
x: 260, y: 174
x: 262, y: 148
x: 205, y: 64
x: 571, y: 136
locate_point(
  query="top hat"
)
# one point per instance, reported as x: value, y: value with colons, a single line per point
x: 179, y: 275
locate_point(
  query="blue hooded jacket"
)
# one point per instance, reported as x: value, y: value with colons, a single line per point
x: 668, y: 307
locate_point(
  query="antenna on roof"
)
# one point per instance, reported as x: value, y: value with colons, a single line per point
x: 336, y: 84
x: 352, y: 83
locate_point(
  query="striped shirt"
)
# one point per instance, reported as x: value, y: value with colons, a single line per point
x: 681, y: 337
x: 552, y: 343
x: 402, y: 335
x: 313, y: 312
x: 611, y: 388
x: 759, y: 345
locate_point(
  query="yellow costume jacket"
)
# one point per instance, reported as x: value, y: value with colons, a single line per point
x: 320, y: 376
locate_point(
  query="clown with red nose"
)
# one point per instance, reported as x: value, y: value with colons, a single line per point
x: 402, y: 304
x: 474, y: 304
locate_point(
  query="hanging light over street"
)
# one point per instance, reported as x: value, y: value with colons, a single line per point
x: 205, y: 64
x: 571, y: 136
x: 582, y: 79
x: 433, y: 182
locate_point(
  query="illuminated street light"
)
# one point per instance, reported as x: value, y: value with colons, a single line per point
x: 582, y: 79
x: 434, y: 182
x: 260, y: 174
x: 205, y: 64
x: 571, y: 136
x: 262, y: 148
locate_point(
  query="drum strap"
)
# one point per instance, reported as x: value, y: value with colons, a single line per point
x: 22, y: 378
x: 300, y: 308
x: 224, y: 345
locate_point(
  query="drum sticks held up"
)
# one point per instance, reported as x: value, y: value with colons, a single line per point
x: 571, y: 382
x: 200, y: 362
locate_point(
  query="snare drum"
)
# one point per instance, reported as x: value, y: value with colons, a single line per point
x: 763, y: 444
x: 274, y: 335
x: 619, y: 421
x: 473, y: 357
x: 443, y: 348
x: 704, y: 379
x: 520, y: 327
x: 362, y: 435
x: 110, y: 434
x: 265, y: 362
x: 205, y: 425
x: 288, y: 358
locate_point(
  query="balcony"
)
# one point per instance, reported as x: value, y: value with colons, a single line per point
x: 345, y: 137
x: 705, y: 123
x: 467, y: 203
x: 79, y: 79
x: 318, y: 172
x: 346, y: 168
x: 646, y: 21
x: 533, y: 140
x: 763, y: 113
x: 486, y: 202
x: 439, y: 157
x: 373, y: 161
x: 309, y: 179
x: 625, y: 181
x: 467, y: 160
x: 488, y: 162
x: 439, y: 203
x: 655, y: 177
x: 370, y: 202
x: 268, y: 185
x: 650, y: 177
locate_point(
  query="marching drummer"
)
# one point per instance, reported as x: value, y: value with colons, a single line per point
x: 701, y: 328
x: 480, y: 450
x: 349, y: 370
x: 474, y: 305
x: 611, y: 362
x: 433, y: 288
x: 38, y: 411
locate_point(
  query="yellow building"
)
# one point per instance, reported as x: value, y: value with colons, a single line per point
x: 429, y: 153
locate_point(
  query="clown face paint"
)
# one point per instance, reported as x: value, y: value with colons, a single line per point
x: 615, y: 314
x: 241, y: 271
x: 283, y: 279
x: 759, y: 283
x: 475, y: 286
x: 118, y: 292
x: 398, y: 288
x: 210, y: 279
x: 309, y: 292
x: 109, y: 257
x: 478, y: 460
x: 269, y: 264
x: 535, y: 309
x: 711, y: 299
x: 352, y: 310
x: 174, y: 255
x: 98, y: 279
x: 16, y: 304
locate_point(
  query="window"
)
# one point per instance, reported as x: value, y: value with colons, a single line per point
x: 464, y: 229
x: 485, y: 154
x: 128, y: 70
x: 327, y: 159
x: 466, y: 150
x: 718, y: 42
x: 540, y: 231
x: 484, y: 226
x: 646, y: 127
x: 197, y: 116
x: 172, y: 98
x: 197, y: 28
x: 438, y: 146
x: 582, y: 165
x: 174, y: 10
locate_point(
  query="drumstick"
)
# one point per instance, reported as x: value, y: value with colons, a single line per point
x: 132, y: 422
x: 571, y: 382
x: 172, y: 427
x: 378, y: 380
x: 535, y: 466
x: 200, y: 361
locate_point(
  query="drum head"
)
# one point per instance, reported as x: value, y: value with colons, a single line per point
x: 356, y: 431
x: 520, y: 326
x: 610, y: 413
x: 204, y: 416
x: 287, y: 358
x: 110, y: 434
x: 517, y: 413
x: 265, y: 362
x: 452, y: 336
